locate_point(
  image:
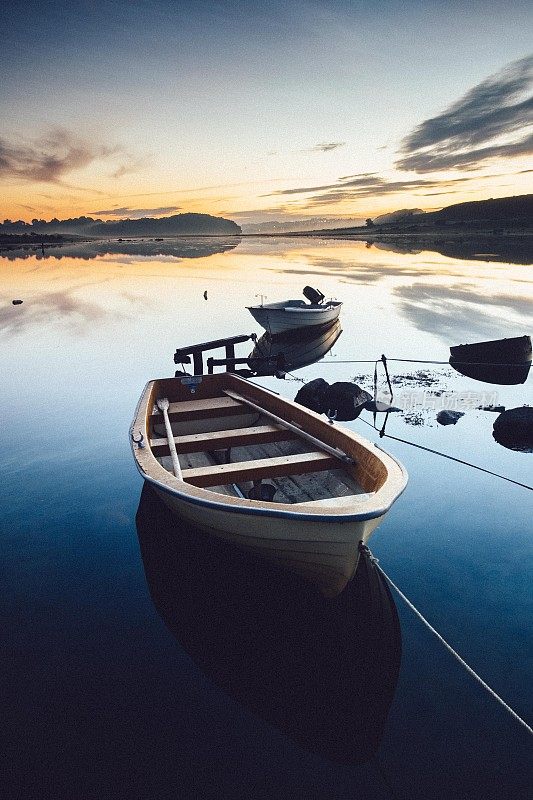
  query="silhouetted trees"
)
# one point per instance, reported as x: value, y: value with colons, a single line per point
x: 176, y: 225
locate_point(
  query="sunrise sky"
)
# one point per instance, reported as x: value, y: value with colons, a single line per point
x: 258, y: 111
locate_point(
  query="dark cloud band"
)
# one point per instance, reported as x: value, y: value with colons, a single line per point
x: 134, y: 212
x: 325, y: 147
x: 470, y: 131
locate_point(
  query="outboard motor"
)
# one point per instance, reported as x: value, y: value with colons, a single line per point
x: 313, y: 295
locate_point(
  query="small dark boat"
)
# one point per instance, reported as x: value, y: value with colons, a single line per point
x: 323, y: 672
x: 503, y: 361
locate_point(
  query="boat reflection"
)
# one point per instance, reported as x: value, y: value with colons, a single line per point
x: 323, y: 672
x: 285, y: 352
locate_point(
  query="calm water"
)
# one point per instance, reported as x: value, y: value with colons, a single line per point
x: 116, y: 682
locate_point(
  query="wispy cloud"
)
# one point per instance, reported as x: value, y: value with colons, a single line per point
x: 134, y: 213
x: 325, y: 147
x: 49, y: 158
x: 130, y: 166
x: 492, y: 120
x: 371, y: 185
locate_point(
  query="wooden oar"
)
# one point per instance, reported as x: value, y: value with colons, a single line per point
x: 162, y: 405
x: 294, y: 428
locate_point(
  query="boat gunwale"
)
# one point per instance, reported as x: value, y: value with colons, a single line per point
x: 509, y: 347
x: 372, y: 506
x: 282, y: 306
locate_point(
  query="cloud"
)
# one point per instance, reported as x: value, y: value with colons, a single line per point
x: 490, y: 121
x: 350, y: 180
x: 325, y: 147
x: 50, y: 158
x: 130, y: 166
x: 365, y: 185
x: 134, y: 213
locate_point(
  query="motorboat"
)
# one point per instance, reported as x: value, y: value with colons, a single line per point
x: 288, y: 315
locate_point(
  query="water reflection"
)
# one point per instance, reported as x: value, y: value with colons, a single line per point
x: 78, y: 314
x: 289, y: 351
x: 461, y: 310
x: 139, y: 248
x: 271, y: 355
x: 510, y: 249
x: 323, y: 672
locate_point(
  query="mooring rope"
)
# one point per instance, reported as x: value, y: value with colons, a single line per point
x: 443, y: 641
x: 426, y: 361
x: 451, y: 458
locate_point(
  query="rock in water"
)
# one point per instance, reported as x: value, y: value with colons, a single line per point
x: 342, y: 400
x: 449, y: 417
x: 346, y: 400
x: 313, y: 395
x: 514, y: 429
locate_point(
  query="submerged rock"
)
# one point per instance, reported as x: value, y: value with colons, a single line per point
x: 514, y: 429
x: 449, y: 417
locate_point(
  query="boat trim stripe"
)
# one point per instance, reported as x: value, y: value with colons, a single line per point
x: 264, y: 512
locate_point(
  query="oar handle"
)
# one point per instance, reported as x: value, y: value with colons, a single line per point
x: 170, y: 437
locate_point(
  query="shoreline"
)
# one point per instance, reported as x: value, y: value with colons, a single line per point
x: 486, y: 245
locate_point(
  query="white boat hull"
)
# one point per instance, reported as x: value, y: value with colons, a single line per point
x: 316, y: 534
x: 327, y: 553
x: 279, y: 318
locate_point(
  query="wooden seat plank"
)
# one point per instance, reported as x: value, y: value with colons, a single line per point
x: 218, y: 440
x: 258, y: 469
x: 200, y: 409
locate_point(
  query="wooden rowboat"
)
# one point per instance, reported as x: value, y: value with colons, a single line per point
x: 210, y: 446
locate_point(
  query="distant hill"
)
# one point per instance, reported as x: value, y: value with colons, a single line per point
x: 507, y: 211
x: 397, y: 216
x: 176, y: 225
x: 488, y: 216
x: 501, y: 209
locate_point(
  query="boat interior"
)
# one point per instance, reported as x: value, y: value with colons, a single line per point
x: 230, y: 448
